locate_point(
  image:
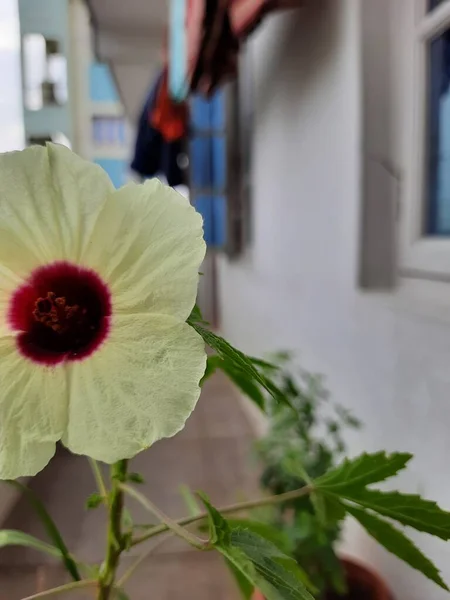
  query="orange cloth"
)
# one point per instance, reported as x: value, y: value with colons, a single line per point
x: 169, y: 117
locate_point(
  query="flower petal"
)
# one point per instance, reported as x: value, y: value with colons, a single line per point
x: 140, y: 387
x: 50, y: 201
x: 148, y: 246
x: 33, y: 412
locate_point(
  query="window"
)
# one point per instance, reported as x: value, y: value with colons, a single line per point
x: 208, y: 173
x: 44, y: 72
x: 426, y: 222
x: 220, y: 165
x: 437, y: 182
x: 108, y: 131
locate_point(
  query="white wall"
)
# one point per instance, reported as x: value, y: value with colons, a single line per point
x: 386, y: 355
x: 11, y: 116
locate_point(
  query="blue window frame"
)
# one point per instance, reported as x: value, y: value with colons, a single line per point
x: 438, y: 137
x: 108, y: 131
x: 208, y: 162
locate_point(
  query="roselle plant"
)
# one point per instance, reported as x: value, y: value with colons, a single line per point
x: 101, y: 349
x: 303, y: 441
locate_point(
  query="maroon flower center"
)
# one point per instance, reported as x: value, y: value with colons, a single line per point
x: 61, y: 313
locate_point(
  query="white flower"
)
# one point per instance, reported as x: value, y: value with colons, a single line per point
x: 95, y: 288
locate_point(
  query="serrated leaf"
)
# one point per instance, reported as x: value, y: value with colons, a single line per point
x: 50, y: 528
x: 334, y: 511
x: 212, y: 364
x: 219, y: 531
x: 248, y: 386
x: 411, y: 510
x: 239, y: 360
x: 196, y: 315
x: 277, y: 537
x: 397, y: 543
x: 362, y: 471
x: 266, y: 567
x: 11, y: 537
x: 245, y: 586
x: 272, y: 563
x: 264, y: 364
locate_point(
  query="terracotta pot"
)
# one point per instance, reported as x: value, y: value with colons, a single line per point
x: 363, y: 583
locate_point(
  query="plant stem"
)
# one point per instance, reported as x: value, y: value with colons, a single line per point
x: 175, y: 527
x: 69, y: 587
x: 98, y: 479
x: 115, y: 541
x: 232, y: 508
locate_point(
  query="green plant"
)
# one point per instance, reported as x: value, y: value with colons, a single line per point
x: 100, y: 349
x: 303, y: 442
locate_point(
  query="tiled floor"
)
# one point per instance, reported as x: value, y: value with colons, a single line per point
x: 213, y: 453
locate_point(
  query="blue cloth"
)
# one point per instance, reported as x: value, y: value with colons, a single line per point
x: 153, y: 155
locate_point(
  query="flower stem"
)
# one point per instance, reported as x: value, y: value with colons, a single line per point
x: 98, y: 479
x: 232, y: 508
x: 69, y: 587
x: 175, y: 527
x: 115, y: 540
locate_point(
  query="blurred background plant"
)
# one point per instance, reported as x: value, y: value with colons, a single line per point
x: 304, y: 440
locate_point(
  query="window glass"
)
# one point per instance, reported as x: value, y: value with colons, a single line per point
x: 438, y: 134
x: 434, y: 3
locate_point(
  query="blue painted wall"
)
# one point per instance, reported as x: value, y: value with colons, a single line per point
x: 101, y: 84
x: 102, y: 90
x: 115, y: 168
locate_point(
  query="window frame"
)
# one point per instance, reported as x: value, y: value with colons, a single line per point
x: 420, y: 255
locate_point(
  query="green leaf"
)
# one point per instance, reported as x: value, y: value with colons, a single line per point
x: 363, y: 470
x: 135, y: 478
x: 196, y: 316
x: 273, y: 565
x: 212, y: 364
x: 266, y: 567
x: 264, y: 364
x: 10, y: 537
x: 248, y: 386
x: 245, y: 586
x: 50, y: 527
x: 411, y: 510
x: 120, y: 595
x: 239, y: 360
x: 94, y: 501
x: 278, y: 537
x: 397, y: 543
x: 219, y: 531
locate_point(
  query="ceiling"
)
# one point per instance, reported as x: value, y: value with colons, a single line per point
x: 129, y: 36
x: 135, y: 17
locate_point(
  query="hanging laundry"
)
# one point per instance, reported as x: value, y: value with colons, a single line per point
x: 168, y: 117
x: 246, y: 15
x: 215, y: 29
x: 217, y: 55
x: 161, y: 140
